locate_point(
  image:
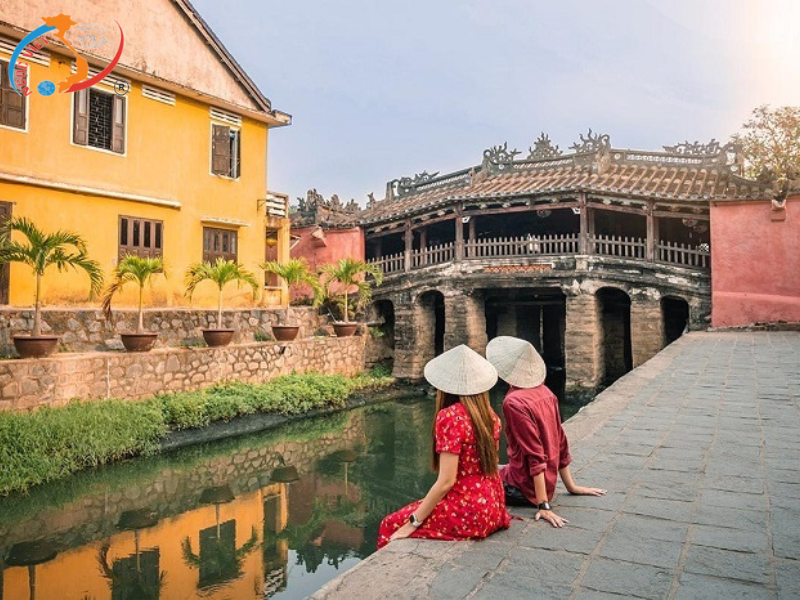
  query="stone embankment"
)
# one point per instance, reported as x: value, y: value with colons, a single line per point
x: 699, y: 450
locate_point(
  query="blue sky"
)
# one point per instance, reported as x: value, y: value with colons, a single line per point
x: 380, y: 90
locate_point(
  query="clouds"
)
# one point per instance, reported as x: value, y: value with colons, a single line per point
x: 380, y: 90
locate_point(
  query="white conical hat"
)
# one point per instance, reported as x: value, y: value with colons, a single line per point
x: 461, y: 371
x: 516, y: 361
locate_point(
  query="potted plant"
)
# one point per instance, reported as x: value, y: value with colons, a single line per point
x: 139, y: 270
x: 294, y: 272
x: 350, y: 273
x: 222, y: 272
x: 40, y: 250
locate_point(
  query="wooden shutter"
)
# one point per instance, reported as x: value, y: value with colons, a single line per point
x: 221, y: 150
x: 80, y: 125
x: 140, y: 237
x: 236, y: 149
x: 12, y: 104
x: 5, y: 269
x: 118, y: 125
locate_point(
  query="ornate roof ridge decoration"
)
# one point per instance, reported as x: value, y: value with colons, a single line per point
x: 696, y: 149
x: 498, y: 158
x: 592, y: 142
x: 315, y: 209
x: 405, y: 186
x: 543, y: 148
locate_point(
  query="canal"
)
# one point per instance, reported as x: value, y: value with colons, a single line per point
x: 272, y: 515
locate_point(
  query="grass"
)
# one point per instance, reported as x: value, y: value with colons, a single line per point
x: 54, y: 442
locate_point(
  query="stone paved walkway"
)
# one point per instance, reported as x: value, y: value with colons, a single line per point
x: 700, y: 451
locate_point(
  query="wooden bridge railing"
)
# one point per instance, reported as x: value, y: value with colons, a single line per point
x: 511, y: 247
x: 683, y: 254
x: 549, y: 245
x: 617, y: 245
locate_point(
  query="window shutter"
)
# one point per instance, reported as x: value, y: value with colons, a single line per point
x: 80, y: 133
x: 221, y: 150
x: 118, y: 125
x: 237, y: 156
x: 12, y: 104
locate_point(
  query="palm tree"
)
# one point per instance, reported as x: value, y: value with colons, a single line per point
x: 40, y: 250
x: 222, y: 272
x: 132, y: 269
x: 349, y: 272
x: 294, y: 272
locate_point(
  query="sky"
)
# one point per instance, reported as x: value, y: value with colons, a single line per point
x: 379, y: 90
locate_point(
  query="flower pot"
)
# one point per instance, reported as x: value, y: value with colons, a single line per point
x: 139, y: 342
x: 285, y: 333
x: 216, y: 338
x: 345, y: 329
x: 39, y: 346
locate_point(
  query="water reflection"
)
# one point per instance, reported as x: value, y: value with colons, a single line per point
x: 272, y: 515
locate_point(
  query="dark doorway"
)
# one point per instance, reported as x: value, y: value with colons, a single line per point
x: 5, y: 270
x: 615, y: 328
x: 675, y: 312
x: 431, y: 342
x: 382, y: 335
x: 537, y: 315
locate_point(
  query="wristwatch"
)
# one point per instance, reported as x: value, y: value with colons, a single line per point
x: 413, y: 520
x: 544, y: 505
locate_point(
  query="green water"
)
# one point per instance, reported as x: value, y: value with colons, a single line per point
x: 276, y: 514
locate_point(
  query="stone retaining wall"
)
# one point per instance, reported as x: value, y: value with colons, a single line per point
x: 85, y: 330
x: 31, y: 383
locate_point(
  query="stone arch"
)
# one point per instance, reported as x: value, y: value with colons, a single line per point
x: 430, y: 324
x: 675, y: 313
x: 616, y: 355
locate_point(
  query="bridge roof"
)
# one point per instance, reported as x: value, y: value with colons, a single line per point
x: 685, y: 173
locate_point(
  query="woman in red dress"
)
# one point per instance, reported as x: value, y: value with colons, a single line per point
x: 467, y: 501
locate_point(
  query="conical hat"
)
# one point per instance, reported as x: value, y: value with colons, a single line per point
x: 516, y: 361
x: 461, y: 371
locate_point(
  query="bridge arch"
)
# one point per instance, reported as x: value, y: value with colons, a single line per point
x: 616, y: 354
x: 430, y: 324
x: 381, y: 341
x: 675, y: 315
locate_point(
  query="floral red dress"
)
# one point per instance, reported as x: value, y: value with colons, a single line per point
x: 475, y: 506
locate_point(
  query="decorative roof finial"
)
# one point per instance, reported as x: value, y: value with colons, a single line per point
x: 543, y: 148
x: 696, y: 148
x: 592, y: 142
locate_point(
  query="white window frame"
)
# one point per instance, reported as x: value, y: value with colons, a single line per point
x: 87, y: 146
x: 235, y: 128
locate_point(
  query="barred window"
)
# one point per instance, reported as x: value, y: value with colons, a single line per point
x: 99, y: 120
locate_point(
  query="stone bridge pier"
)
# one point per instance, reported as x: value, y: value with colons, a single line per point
x: 591, y: 331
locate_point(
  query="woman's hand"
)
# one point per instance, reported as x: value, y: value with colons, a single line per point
x: 402, y: 533
x: 586, y: 491
x: 550, y: 517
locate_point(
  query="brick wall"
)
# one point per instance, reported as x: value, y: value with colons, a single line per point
x: 31, y: 383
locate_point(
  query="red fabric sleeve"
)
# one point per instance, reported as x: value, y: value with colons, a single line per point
x: 523, y: 429
x: 564, y: 457
x: 449, y: 432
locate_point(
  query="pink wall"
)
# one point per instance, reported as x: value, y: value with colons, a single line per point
x: 755, y: 262
x: 336, y: 244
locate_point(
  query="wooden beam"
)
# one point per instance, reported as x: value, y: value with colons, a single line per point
x: 409, y: 241
x: 459, y: 233
x: 583, y: 238
x: 680, y: 215
x: 622, y: 209
x: 379, y: 234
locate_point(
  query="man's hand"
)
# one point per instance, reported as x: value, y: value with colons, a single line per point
x: 550, y: 517
x: 404, y: 532
x: 586, y: 491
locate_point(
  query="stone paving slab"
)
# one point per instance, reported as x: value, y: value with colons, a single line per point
x: 700, y: 451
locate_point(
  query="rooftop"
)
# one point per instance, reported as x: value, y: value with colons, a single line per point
x: 686, y: 172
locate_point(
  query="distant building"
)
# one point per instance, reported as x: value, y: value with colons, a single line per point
x: 166, y: 156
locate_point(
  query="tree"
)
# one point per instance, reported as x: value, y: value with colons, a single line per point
x: 222, y: 272
x: 770, y: 142
x: 294, y: 272
x: 132, y: 269
x: 62, y: 249
x: 351, y: 273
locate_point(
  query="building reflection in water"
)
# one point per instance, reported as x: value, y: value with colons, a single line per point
x: 247, y: 518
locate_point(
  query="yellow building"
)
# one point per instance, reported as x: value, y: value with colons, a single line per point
x: 166, y: 156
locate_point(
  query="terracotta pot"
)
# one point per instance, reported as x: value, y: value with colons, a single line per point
x: 40, y: 346
x: 216, y: 338
x: 139, y: 342
x: 285, y: 333
x: 345, y: 329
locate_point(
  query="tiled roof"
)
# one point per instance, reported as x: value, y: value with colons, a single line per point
x: 672, y: 176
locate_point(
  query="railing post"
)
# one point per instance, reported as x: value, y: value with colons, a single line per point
x: 459, y: 250
x: 583, y: 236
x: 652, y: 233
x: 409, y: 241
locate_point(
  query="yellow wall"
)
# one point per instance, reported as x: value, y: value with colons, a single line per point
x: 167, y: 157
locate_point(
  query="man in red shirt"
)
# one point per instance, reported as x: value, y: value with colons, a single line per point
x: 538, y: 449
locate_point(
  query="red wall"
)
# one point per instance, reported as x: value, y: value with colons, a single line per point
x: 339, y: 243
x: 755, y: 263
